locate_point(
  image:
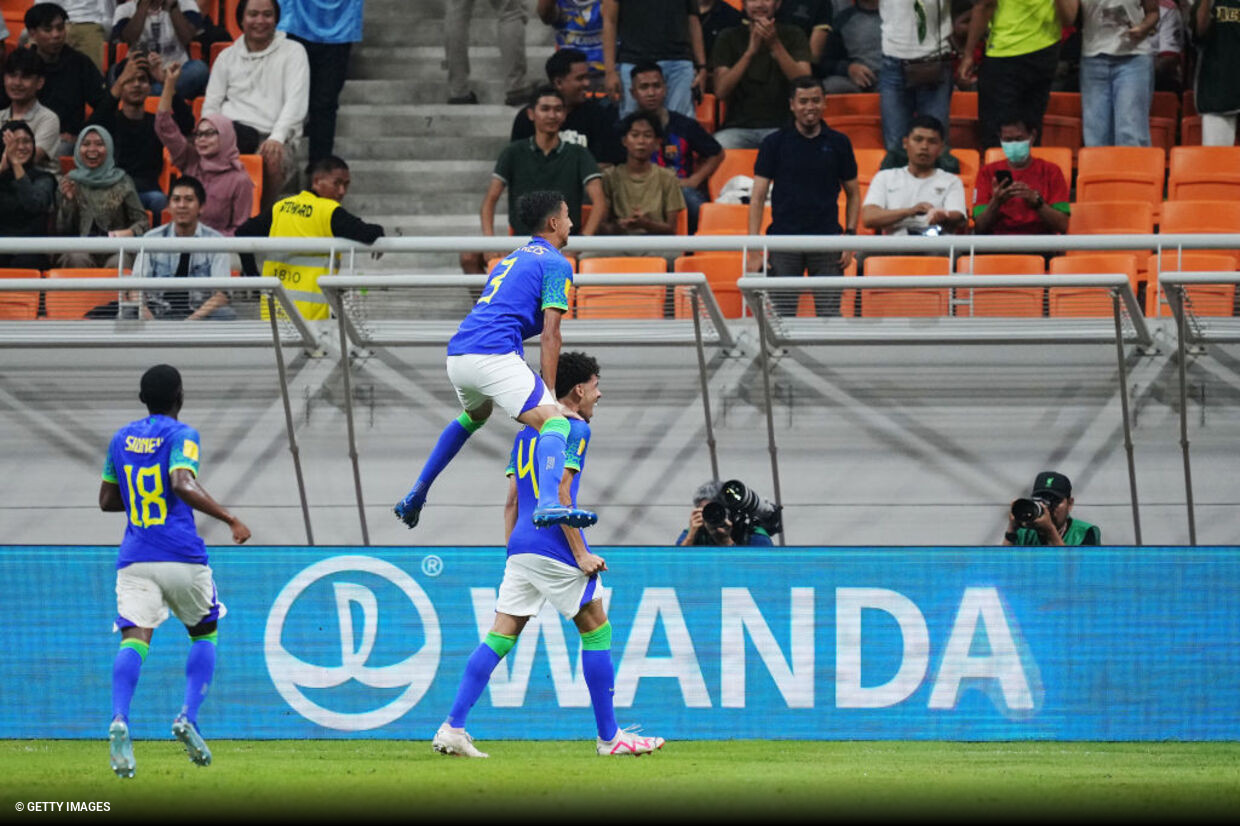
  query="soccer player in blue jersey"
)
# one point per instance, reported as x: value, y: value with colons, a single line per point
x: 525, y: 295
x: 151, y: 473
x: 549, y: 564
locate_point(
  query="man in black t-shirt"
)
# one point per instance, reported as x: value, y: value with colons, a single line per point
x: 588, y: 122
x: 1216, y: 24
x: 812, y: 17
x: 665, y: 31
x: 716, y: 15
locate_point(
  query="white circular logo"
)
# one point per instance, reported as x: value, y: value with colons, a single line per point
x: 432, y: 565
x: 290, y: 674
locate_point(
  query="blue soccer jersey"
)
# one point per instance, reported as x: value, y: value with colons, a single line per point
x: 526, y: 537
x: 141, y: 458
x: 533, y: 278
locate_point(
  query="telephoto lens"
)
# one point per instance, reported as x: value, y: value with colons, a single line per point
x: 1026, y: 511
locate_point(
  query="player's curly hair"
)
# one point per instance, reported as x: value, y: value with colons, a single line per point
x: 160, y: 389
x: 534, y: 208
x: 574, y: 368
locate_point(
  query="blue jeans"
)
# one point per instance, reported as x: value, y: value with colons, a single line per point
x: 693, y: 203
x: 191, y: 84
x: 1116, y: 91
x: 677, y: 74
x: 899, y: 104
x: 155, y: 201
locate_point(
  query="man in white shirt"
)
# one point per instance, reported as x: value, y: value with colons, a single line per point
x: 911, y: 199
x: 23, y: 78
x: 166, y: 28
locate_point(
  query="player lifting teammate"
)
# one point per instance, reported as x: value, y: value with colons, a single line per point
x: 553, y: 565
x: 525, y: 294
x: 151, y: 473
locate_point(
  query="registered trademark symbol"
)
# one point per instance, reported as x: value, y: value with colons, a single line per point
x: 432, y: 565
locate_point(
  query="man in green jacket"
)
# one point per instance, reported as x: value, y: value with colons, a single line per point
x: 1043, y: 518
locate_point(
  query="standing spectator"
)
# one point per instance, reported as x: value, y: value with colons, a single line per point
x: 1022, y: 52
x: 23, y: 80
x: 1021, y: 194
x: 97, y: 198
x: 1217, y: 26
x: 908, y: 200
x: 89, y: 24
x: 165, y: 28
x: 212, y: 159
x: 588, y: 122
x: 854, y: 52
x: 715, y: 16
x: 327, y: 31
x: 687, y: 149
x: 27, y: 195
x: 642, y: 197
x: 509, y: 36
x: 808, y: 163
x: 755, y: 65
x: 916, y: 73
x: 578, y: 24
x: 262, y: 84
x: 813, y: 18
x: 1117, y: 71
x: 1170, y: 38
x: 962, y: 19
x: 665, y: 31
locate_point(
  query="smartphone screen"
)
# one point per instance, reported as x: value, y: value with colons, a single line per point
x: 1003, y: 176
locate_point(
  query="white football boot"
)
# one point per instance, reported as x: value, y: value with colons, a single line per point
x: 628, y: 742
x: 455, y: 741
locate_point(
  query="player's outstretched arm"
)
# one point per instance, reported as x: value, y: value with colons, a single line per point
x: 110, y: 497
x: 186, y: 486
x: 550, y: 342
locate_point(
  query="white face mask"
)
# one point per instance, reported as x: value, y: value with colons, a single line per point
x: 1016, y: 152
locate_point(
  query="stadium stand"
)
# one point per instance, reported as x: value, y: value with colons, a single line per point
x: 1203, y: 173
x: 19, y: 306
x: 1006, y: 302
x: 1206, y: 300
x: 1122, y: 173
x: 905, y: 303
x: 1076, y: 302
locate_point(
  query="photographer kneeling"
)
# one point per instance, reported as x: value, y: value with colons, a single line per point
x: 728, y: 513
x: 1043, y: 518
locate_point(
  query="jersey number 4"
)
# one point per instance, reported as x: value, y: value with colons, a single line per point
x: 498, y: 280
x: 146, y: 489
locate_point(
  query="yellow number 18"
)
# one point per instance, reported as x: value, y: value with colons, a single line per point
x: 149, y: 488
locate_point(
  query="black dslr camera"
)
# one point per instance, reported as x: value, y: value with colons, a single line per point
x: 1028, y: 511
x: 747, y: 511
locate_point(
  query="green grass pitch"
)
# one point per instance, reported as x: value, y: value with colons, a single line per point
x: 699, y: 781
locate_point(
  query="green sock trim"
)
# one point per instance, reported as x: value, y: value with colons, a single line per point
x: 213, y: 638
x: 556, y: 424
x: 501, y: 644
x: 143, y: 648
x: 469, y: 424
x: 597, y: 640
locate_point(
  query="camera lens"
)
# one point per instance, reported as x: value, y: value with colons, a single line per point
x: 714, y: 514
x: 1026, y: 511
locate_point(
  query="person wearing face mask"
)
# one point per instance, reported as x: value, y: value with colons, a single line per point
x: 1021, y: 194
x: 97, y: 198
x: 211, y: 156
x: 27, y: 194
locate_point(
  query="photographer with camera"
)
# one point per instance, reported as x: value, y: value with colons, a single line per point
x: 1043, y: 518
x: 728, y: 513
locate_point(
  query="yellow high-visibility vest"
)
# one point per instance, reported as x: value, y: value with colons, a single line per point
x: 304, y: 215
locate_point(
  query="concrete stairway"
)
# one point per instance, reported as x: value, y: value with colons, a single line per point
x: 420, y: 166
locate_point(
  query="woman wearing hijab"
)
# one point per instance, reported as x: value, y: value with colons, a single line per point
x: 27, y: 194
x: 97, y: 198
x: 212, y: 158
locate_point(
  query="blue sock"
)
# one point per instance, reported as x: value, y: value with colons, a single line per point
x: 450, y: 442
x: 477, y: 673
x: 549, y: 458
x: 199, y: 669
x: 125, y: 670
x: 600, y: 678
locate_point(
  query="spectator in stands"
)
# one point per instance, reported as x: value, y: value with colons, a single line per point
x: 1022, y: 52
x: 97, y: 198
x: 27, y: 195
x: 1216, y: 24
x: 185, y: 199
x: 813, y: 18
x: 1021, y: 194
x: 89, y: 22
x: 210, y: 157
x: 166, y: 28
x: 716, y: 16
x: 1169, y: 53
x: 327, y: 30
x: 578, y: 24
x: 262, y: 84
x: 755, y: 65
x: 1053, y: 525
x: 1117, y: 71
x: 909, y: 200
x: 962, y: 18
x: 588, y: 122
x: 808, y: 163
x: 642, y: 197
x: 542, y: 162
x: 687, y: 149
x: 854, y: 52
x: 23, y: 80
x: 509, y: 36
x: 916, y: 73
x: 665, y: 31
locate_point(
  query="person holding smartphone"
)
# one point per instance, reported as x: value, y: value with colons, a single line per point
x: 1021, y: 194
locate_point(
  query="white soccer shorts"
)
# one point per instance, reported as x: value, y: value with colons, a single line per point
x: 532, y: 579
x: 504, y: 379
x: 147, y: 591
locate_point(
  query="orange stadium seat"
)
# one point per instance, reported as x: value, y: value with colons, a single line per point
x: 970, y: 163
x: 254, y: 166
x: 707, y: 112
x: 868, y: 162
x: 1022, y: 302
x: 1061, y: 125
x: 864, y: 131
x: 229, y: 13
x: 905, y: 303
x: 619, y: 302
x: 963, y: 129
x: 1111, y: 218
x: 1058, y: 155
x: 75, y: 305
x: 722, y: 270
x: 1121, y: 173
x: 19, y: 306
x: 1205, y: 299
x: 1203, y: 173
x: 614, y: 264
x: 216, y: 48
x: 1201, y: 216
x: 1190, y: 130
x: 735, y: 162
x: 1089, y: 302
x: 865, y: 103
x: 728, y: 219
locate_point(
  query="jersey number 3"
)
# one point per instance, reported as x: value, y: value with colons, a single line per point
x: 148, y: 487
x: 498, y: 280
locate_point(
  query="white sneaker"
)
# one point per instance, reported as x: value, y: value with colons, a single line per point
x: 627, y: 742
x: 456, y: 741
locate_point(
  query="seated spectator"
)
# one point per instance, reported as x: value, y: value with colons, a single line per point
x: 1117, y: 71
x: 687, y: 149
x: 578, y: 24
x: 755, y: 65
x: 23, y: 79
x: 665, y: 31
x: 854, y: 51
x: 1217, y: 26
x: 813, y: 18
x: 642, y: 198
x: 1020, y: 195
x: 542, y: 162
x: 909, y: 200
x: 185, y: 199
x: 1170, y: 38
x: 27, y: 195
x: 716, y: 16
x: 97, y: 198
x: 211, y: 158
x: 588, y: 122
x: 165, y: 28
x: 262, y: 84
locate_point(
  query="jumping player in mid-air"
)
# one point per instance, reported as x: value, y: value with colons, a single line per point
x: 552, y: 564
x: 151, y: 474
x: 526, y: 294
